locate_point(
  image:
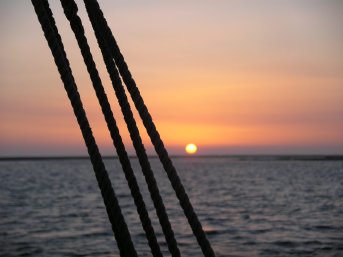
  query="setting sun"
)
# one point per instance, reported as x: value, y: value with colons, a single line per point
x: 191, y: 148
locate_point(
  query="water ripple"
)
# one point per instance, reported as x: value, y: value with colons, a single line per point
x: 247, y: 208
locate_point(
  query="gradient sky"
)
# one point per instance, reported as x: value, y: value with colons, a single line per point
x: 234, y: 77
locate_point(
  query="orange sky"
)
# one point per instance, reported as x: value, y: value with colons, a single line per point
x: 263, y: 78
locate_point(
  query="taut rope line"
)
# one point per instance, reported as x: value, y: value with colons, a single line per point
x: 115, y: 216
x: 116, y: 67
x: 70, y: 10
x: 98, y: 18
x: 135, y: 136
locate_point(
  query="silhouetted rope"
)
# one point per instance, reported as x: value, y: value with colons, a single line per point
x: 70, y: 9
x: 137, y: 141
x: 116, y: 218
x: 101, y: 23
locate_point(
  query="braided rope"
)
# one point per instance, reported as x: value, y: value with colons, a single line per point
x: 160, y: 149
x: 136, y: 139
x: 116, y: 218
x: 70, y: 10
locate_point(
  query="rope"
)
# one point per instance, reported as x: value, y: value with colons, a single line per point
x: 110, y: 49
x: 116, y: 218
x: 93, y: 7
x: 136, y: 139
x: 70, y: 10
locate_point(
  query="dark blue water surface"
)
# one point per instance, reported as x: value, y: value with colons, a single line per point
x: 247, y: 208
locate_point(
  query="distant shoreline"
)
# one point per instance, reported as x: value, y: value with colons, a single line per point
x: 233, y: 157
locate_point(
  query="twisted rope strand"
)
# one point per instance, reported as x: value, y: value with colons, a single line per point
x: 136, y: 139
x: 70, y: 10
x: 116, y: 218
x: 151, y: 130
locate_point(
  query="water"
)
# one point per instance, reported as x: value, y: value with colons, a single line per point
x: 248, y: 208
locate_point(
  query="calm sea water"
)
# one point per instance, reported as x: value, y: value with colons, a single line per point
x: 248, y: 208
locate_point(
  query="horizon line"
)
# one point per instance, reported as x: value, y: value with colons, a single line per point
x: 238, y: 156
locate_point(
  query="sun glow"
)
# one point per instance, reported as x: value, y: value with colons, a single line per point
x: 191, y: 148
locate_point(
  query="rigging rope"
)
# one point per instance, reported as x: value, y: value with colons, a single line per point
x: 115, y: 216
x: 98, y: 18
x: 136, y: 139
x: 70, y: 10
x: 113, y: 59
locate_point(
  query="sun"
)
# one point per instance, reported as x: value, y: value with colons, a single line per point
x: 191, y: 148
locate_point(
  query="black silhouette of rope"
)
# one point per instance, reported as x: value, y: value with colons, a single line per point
x: 94, y: 8
x: 70, y: 10
x: 136, y: 139
x: 116, y: 218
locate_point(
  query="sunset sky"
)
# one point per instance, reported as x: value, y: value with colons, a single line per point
x: 233, y: 77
